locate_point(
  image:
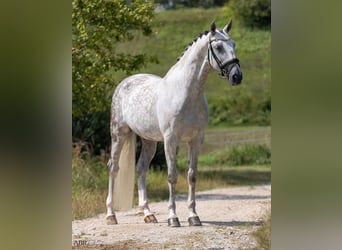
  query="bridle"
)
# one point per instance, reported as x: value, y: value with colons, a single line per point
x: 226, y: 67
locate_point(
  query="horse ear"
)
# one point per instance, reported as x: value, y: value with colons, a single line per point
x: 213, y: 28
x: 228, y: 27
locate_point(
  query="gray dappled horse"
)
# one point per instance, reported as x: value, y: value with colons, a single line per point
x: 172, y: 109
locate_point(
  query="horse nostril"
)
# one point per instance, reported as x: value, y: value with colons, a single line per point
x: 235, y: 77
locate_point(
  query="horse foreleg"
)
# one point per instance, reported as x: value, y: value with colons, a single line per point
x: 148, y: 150
x: 194, y: 149
x: 170, y: 145
x: 113, y: 168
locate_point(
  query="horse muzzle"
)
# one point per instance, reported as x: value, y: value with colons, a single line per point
x: 235, y: 75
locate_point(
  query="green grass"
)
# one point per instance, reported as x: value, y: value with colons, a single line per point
x: 248, y: 154
x: 223, y: 129
x: 173, y: 30
x: 232, y: 156
x: 263, y: 234
x: 89, y: 186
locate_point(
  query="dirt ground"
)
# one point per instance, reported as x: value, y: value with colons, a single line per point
x: 229, y: 217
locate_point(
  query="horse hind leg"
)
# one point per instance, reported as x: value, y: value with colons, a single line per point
x: 148, y: 150
x: 113, y: 169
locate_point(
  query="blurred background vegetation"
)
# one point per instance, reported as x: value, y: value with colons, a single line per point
x: 114, y: 39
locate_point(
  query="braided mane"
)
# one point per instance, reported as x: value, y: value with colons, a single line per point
x: 189, y: 45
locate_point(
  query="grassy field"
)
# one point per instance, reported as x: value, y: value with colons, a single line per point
x: 174, y: 30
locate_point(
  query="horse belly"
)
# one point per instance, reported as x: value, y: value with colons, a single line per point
x: 145, y: 125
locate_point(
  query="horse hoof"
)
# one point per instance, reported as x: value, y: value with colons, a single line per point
x: 111, y: 220
x: 150, y: 219
x: 194, y: 221
x: 173, y: 222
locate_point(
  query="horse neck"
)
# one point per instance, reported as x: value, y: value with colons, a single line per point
x: 191, y: 71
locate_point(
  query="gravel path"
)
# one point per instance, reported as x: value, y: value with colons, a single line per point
x: 229, y: 217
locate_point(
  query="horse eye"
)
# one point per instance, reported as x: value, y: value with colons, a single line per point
x: 218, y: 47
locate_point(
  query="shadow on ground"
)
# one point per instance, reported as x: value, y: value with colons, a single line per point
x: 234, y: 223
x: 225, y: 197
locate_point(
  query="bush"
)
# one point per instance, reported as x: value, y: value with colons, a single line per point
x: 239, y: 155
x: 92, y: 128
x: 249, y: 154
x: 239, y: 106
x: 253, y: 13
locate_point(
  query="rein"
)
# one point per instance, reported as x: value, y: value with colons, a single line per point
x: 226, y: 67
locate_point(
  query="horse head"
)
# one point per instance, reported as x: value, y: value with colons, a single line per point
x: 221, y: 54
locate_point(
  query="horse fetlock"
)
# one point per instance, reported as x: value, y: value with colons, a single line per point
x: 191, y: 206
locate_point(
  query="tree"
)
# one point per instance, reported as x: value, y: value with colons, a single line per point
x: 253, y: 13
x: 97, y: 27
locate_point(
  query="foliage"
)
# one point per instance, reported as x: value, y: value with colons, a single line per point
x: 237, y: 155
x: 92, y: 128
x: 263, y: 234
x: 253, y: 13
x: 190, y: 3
x: 239, y: 106
x: 97, y: 28
x: 249, y: 154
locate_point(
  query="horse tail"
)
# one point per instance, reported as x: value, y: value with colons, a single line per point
x: 124, y: 182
